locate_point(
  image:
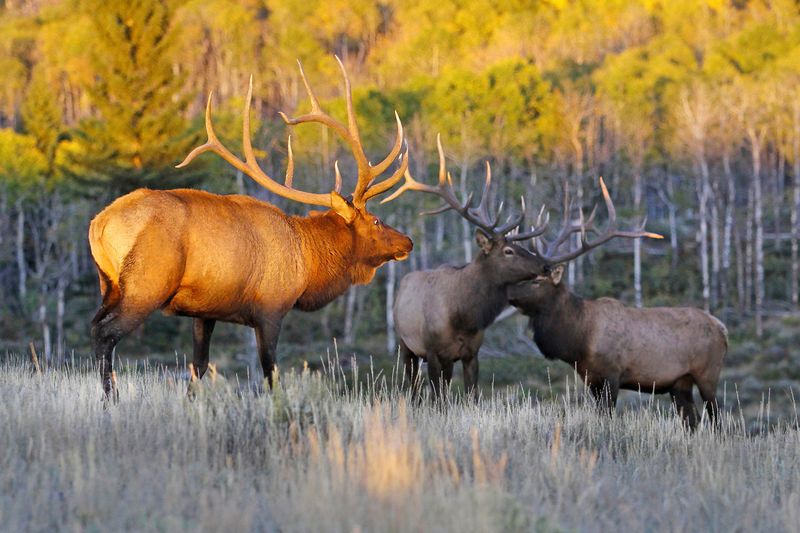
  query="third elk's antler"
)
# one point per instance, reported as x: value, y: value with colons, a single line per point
x: 478, y: 216
x: 367, y: 173
x: 584, y: 227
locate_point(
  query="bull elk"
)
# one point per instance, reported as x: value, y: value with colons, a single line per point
x: 237, y: 259
x: 612, y: 346
x: 441, y: 314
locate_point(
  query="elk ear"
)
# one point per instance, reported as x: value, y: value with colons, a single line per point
x: 485, y: 242
x: 556, y: 273
x: 342, y: 207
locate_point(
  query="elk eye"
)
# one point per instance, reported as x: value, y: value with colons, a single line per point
x: 508, y: 251
x: 377, y: 222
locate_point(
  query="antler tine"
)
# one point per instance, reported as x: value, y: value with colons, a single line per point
x: 212, y: 144
x: 250, y: 165
x: 311, y: 96
x: 443, y: 189
x: 612, y: 211
x: 444, y: 175
x: 380, y: 168
x: 610, y: 233
x: 389, y: 182
x: 289, y: 164
x: 365, y: 175
x: 567, y: 228
x: 350, y: 134
x: 439, y: 210
x: 337, y: 185
x: 536, y: 230
x: 316, y: 115
x: 513, y: 221
x: 247, y: 146
x: 482, y: 210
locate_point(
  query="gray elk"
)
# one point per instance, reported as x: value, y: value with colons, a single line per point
x: 237, y: 259
x: 612, y: 346
x: 441, y: 314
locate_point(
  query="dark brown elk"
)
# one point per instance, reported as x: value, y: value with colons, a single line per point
x: 441, y: 314
x: 235, y: 258
x: 612, y: 346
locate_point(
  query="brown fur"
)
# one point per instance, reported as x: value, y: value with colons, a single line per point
x: 612, y: 346
x: 230, y: 258
x: 440, y: 315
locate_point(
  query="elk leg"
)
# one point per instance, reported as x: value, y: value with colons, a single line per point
x: 435, y: 374
x: 470, y: 367
x: 267, y: 332
x: 709, y: 394
x: 605, y: 394
x: 683, y: 400
x: 447, y: 374
x: 203, y: 328
x: 107, y: 330
x: 410, y: 365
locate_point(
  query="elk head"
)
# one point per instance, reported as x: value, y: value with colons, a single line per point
x: 504, y: 260
x: 375, y: 242
x: 548, y: 278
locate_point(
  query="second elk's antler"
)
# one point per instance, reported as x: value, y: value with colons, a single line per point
x: 367, y: 173
x: 478, y: 216
x: 549, y: 248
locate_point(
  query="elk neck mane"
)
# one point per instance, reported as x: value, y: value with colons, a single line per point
x: 558, y: 307
x: 329, y: 252
x: 479, y: 305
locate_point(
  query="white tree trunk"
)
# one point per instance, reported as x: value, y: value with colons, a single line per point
x: 795, y: 207
x: 349, y: 314
x: 391, y: 340
x: 727, y: 229
x: 637, y: 243
x: 748, y: 252
x: 759, y: 232
x: 60, y: 309
x: 422, y: 243
x: 22, y: 268
x: 673, y: 223
x: 466, y: 234
x: 702, y: 195
x: 439, y: 234
x: 48, y: 346
x: 795, y: 231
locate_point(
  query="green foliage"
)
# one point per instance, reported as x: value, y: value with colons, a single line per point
x: 104, y: 97
x: 140, y: 131
x: 22, y: 165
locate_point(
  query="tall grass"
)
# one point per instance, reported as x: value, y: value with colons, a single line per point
x: 322, y: 454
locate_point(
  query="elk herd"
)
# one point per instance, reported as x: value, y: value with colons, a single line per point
x: 234, y: 258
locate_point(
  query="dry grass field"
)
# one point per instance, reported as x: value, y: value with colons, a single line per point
x: 320, y: 454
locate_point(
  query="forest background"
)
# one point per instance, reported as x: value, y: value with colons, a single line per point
x: 690, y: 111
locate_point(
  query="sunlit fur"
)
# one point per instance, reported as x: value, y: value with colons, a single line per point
x: 230, y: 258
x: 612, y: 346
x: 440, y: 314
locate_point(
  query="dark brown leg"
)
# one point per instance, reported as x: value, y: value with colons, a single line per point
x: 605, y: 395
x: 108, y: 327
x: 708, y: 393
x: 683, y: 400
x: 471, y: 376
x: 435, y: 374
x: 410, y: 366
x: 447, y: 374
x: 267, y: 333
x: 203, y: 328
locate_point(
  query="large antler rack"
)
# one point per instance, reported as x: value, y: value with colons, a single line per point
x: 367, y: 173
x: 584, y: 227
x: 478, y: 216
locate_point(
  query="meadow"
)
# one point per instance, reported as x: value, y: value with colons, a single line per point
x: 349, y: 450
